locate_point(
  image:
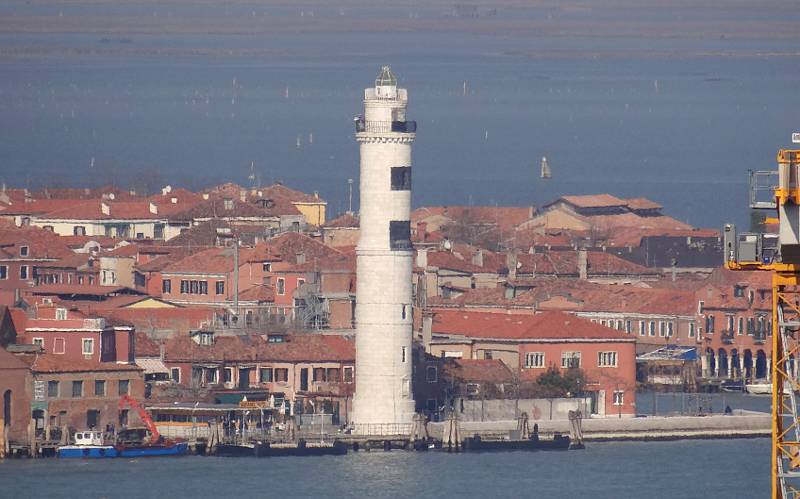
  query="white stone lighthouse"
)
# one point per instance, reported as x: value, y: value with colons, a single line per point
x: 383, y: 397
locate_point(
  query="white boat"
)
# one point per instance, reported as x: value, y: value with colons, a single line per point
x: 765, y: 388
x: 545, y: 169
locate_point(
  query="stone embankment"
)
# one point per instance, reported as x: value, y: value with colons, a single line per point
x: 740, y: 424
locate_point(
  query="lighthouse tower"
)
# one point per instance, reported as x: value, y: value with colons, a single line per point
x: 383, y: 397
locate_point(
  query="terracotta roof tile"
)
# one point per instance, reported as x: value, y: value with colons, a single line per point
x: 478, y: 371
x: 49, y: 363
x: 545, y: 325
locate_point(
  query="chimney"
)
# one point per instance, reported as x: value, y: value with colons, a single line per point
x: 161, y: 351
x: 422, y: 231
x: 153, y: 208
x: 205, y: 196
x: 106, y: 209
x: 583, y: 264
x: 427, y: 330
x: 316, y: 194
x: 422, y: 258
x: 173, y: 200
x: 477, y: 258
x: 511, y: 263
x: 242, y: 196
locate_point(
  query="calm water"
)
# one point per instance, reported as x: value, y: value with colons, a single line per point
x: 702, y: 469
x: 664, y: 118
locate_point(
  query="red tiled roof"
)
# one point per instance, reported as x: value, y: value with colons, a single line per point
x: 542, y: 326
x: 593, y: 201
x: 92, y: 210
x: 144, y: 346
x: 278, y: 190
x: 79, y: 289
x: 181, y: 320
x: 288, y: 245
x: 258, y: 294
x: 447, y: 260
x: 123, y: 251
x: 211, y: 261
x: 41, y: 243
x: 478, y: 370
x: 49, y: 363
x: 643, y: 204
x: 503, y: 217
x: 344, y: 220
x: 295, y: 348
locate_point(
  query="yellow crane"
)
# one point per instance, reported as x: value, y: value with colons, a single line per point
x: 778, y: 253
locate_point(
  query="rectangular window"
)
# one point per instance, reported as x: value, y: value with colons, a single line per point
x: 88, y: 346
x: 347, y: 374
x: 642, y: 330
x: 61, y: 314
x: 79, y: 230
x: 265, y: 375
x: 606, y: 359
x: 281, y: 375
x: 401, y: 178
x: 124, y: 387
x: 99, y: 388
x: 3, y: 272
x: 166, y: 286
x: 203, y: 287
x: 220, y: 287
x: 53, y: 389
x: 662, y: 328
x: 729, y: 323
x: 175, y: 374
x: 534, y: 360
x: 319, y: 374
x: 400, y: 235
x: 39, y: 342
x: 58, y: 345
x: 184, y: 286
x: 628, y: 327
x: 23, y: 272
x: 212, y: 375
x: 23, y: 251
x: 300, y: 282
x: 266, y: 267
x: 670, y: 329
x: 281, y: 286
x: 652, y: 328
x: 77, y: 389
x: 431, y: 374
x: 228, y: 375
x: 691, y: 330
x: 710, y: 324
x: 570, y: 360
x: 193, y: 287
x: 332, y: 375
x: 619, y: 397
x: 741, y: 326
x: 403, y: 356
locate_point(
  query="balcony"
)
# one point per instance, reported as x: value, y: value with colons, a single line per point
x: 385, y: 126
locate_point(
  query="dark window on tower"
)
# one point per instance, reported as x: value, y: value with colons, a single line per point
x: 400, y: 235
x: 401, y: 178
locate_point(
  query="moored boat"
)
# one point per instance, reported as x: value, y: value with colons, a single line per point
x: 88, y: 444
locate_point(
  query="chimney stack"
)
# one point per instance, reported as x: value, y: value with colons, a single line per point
x: 511, y: 263
x: 583, y: 264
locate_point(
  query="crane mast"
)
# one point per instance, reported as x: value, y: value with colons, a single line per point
x: 778, y: 252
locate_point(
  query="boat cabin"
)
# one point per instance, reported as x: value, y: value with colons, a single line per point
x: 89, y: 438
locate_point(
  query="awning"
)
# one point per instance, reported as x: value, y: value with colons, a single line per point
x: 152, y: 366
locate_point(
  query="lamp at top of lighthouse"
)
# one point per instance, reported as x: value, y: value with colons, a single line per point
x: 386, y: 84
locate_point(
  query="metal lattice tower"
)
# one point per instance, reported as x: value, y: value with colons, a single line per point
x: 780, y: 254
